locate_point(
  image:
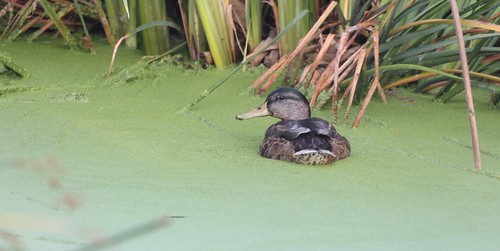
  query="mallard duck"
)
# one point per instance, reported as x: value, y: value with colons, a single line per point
x: 297, y: 137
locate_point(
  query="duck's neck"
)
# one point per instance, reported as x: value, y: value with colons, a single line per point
x: 294, y: 111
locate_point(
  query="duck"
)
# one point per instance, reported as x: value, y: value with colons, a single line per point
x: 298, y: 137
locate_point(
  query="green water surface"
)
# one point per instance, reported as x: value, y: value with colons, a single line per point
x: 83, y: 158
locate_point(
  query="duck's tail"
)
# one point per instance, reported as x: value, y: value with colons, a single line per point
x: 314, y: 157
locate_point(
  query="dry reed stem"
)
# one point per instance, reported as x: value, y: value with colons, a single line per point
x: 344, y: 43
x: 467, y: 84
x: 321, y: 54
x: 304, y: 75
x: 45, y: 27
x: 258, y: 59
x: 113, y: 56
x: 346, y: 72
x: 186, y: 31
x: 104, y: 21
x: 231, y: 28
x: 416, y: 77
x: 365, y: 103
x: 235, y: 30
x: 29, y: 24
x: 376, y: 54
x: 65, y: 32
x: 274, y: 7
x: 324, y: 82
x: 268, y: 73
x: 352, y: 87
x: 310, y: 34
x: 314, y: 79
x: 268, y: 83
x: 5, y: 9
x: 411, y: 79
x: 18, y: 19
x: 375, y: 83
x: 303, y: 42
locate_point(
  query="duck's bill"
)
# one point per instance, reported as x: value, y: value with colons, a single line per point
x: 260, y: 111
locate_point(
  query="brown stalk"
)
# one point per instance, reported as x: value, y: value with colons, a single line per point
x: 113, y: 56
x: 310, y: 34
x: 376, y: 54
x: 491, y: 58
x: 258, y: 59
x: 434, y: 86
x: 231, y: 24
x: 228, y: 11
x: 365, y: 103
x: 314, y: 79
x: 268, y: 73
x: 5, y: 9
x: 348, y: 62
x: 305, y: 73
x: 345, y: 69
x: 65, y: 32
x: 328, y: 78
x: 104, y: 21
x: 321, y: 54
x: 42, y: 29
x: 375, y: 84
x: 274, y: 7
x: 186, y: 31
x: 408, y: 80
x: 322, y: 81
x: 28, y: 25
x: 349, y: 67
x: 268, y: 83
x: 352, y: 87
x: 344, y: 43
x: 303, y: 42
x: 16, y: 22
x: 467, y: 84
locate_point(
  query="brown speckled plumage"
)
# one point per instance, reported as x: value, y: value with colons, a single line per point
x: 298, y: 138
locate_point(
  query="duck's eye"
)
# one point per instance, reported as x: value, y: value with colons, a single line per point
x: 281, y: 97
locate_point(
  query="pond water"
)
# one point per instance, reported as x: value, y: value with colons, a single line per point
x: 85, y: 158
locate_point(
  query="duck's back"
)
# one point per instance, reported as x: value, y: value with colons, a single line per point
x: 309, y: 141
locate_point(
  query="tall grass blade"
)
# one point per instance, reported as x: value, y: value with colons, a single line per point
x: 156, y: 40
x: 213, y: 19
x: 254, y: 22
x: 131, y: 41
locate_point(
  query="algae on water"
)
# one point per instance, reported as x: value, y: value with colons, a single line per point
x: 9, y: 64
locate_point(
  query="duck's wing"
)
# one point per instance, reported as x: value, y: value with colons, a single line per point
x: 288, y: 129
x: 304, y: 141
x: 291, y: 129
x: 340, y: 145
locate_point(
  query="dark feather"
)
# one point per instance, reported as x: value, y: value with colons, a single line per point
x: 285, y: 138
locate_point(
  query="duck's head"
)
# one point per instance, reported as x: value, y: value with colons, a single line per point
x: 285, y: 103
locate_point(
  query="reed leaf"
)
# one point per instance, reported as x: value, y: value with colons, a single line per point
x: 131, y: 41
x: 431, y: 47
x: 213, y: 19
x: 254, y: 22
x: 287, y: 10
x: 155, y: 41
x: 465, y: 22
